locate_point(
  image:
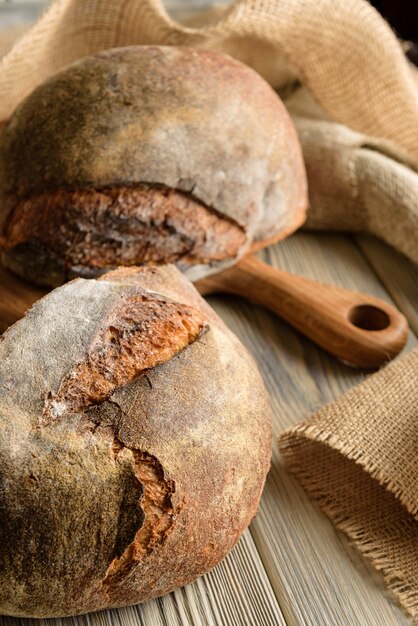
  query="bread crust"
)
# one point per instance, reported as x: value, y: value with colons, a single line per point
x: 137, y: 487
x: 190, y: 120
x: 135, y: 225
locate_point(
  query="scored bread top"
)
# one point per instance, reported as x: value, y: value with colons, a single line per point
x: 186, y: 119
x: 68, y: 322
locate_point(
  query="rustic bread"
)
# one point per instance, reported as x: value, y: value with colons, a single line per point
x: 134, y: 443
x: 151, y: 155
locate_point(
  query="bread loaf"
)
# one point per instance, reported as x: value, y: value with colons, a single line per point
x: 147, y: 154
x: 134, y: 443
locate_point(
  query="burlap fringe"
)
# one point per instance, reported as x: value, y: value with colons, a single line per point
x: 357, y: 457
x: 358, y: 534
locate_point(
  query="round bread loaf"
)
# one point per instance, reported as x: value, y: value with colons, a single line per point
x: 134, y: 443
x: 147, y: 155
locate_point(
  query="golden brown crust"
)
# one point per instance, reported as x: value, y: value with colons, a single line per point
x: 149, y: 487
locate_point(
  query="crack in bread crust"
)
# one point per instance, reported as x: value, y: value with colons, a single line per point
x: 124, y: 225
x: 159, y: 514
x: 143, y: 331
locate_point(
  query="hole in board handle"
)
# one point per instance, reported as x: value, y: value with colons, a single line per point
x: 368, y: 317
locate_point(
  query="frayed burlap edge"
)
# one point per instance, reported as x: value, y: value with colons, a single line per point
x: 358, y: 534
x: 357, y: 458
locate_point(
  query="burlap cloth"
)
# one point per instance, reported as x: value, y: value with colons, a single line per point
x: 358, y: 458
x: 356, y: 113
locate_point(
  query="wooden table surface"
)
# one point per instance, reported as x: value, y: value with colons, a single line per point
x: 291, y: 566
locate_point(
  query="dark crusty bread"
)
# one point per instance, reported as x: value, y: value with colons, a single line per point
x: 134, y: 443
x: 151, y: 155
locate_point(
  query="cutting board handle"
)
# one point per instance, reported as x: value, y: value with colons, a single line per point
x: 359, y: 329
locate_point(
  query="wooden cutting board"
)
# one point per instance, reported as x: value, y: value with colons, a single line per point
x: 356, y: 328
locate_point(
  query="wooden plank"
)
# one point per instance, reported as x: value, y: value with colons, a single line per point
x: 317, y: 577
x: 397, y: 273
x: 236, y: 592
